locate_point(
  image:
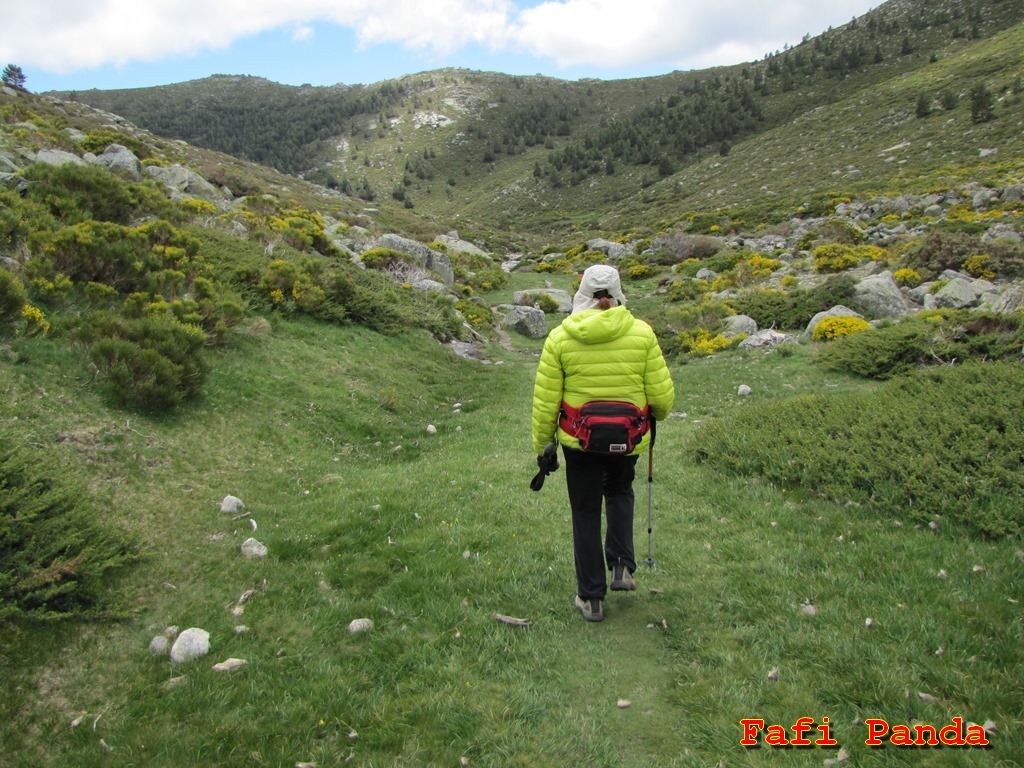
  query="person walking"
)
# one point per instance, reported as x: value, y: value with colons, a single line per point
x: 602, y: 354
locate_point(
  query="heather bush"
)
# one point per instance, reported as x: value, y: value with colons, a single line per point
x: 76, y: 193
x: 55, y: 554
x: 943, y: 443
x: 97, y: 140
x: 478, y: 315
x: 541, y: 301
x: 929, y: 338
x: 373, y: 299
x: 480, y: 273
x: 793, y: 310
x: 941, y: 250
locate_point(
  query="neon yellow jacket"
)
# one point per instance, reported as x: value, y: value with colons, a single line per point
x: 599, y: 355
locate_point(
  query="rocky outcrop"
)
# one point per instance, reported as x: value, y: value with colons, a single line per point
x: 433, y: 260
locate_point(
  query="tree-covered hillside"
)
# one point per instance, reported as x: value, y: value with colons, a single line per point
x: 454, y: 143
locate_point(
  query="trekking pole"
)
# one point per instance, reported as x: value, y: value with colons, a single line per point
x: 650, y: 492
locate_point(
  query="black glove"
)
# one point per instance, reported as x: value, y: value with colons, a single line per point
x: 547, y: 463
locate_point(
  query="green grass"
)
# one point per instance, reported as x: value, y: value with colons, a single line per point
x: 323, y: 433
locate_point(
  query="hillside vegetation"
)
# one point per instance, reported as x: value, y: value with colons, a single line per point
x: 529, y: 161
x: 837, y: 508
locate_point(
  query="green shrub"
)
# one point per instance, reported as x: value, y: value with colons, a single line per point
x: 543, y: 301
x: 12, y: 298
x: 54, y: 552
x: 944, y: 442
x: 386, y: 259
x: 794, y: 309
x: 75, y: 193
x: 153, y: 362
x: 479, y: 316
x: 97, y: 140
x: 929, y: 338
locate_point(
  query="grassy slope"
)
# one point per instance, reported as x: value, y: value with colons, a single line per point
x: 431, y: 539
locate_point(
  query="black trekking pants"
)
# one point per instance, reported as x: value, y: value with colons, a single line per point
x: 593, y: 480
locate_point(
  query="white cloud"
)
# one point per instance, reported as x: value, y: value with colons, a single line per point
x: 684, y: 34
x: 301, y: 33
x: 65, y: 35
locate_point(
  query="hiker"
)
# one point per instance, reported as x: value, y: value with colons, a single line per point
x: 600, y: 354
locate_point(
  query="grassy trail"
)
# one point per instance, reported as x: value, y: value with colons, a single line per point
x: 323, y: 433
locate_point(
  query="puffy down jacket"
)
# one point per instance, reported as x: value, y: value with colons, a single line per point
x: 598, y: 355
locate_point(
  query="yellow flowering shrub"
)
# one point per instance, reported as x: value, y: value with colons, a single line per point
x: 832, y: 328
x: 907, y: 276
x: 35, y: 321
x: 978, y: 266
x: 701, y: 343
x: 198, y: 207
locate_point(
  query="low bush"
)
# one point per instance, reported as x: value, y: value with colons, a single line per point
x: 12, y: 298
x: 832, y: 328
x: 942, y: 249
x: 153, y: 362
x: 941, y: 443
x: 793, y: 310
x: 929, y: 338
x: 54, y: 552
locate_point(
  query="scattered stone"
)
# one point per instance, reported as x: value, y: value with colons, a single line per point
x: 744, y: 391
x: 360, y: 625
x: 253, y: 549
x: 774, y: 674
x: 809, y: 609
x: 232, y: 505
x: 978, y: 569
x: 229, y: 665
x: 869, y: 622
x: 191, y: 644
x: 159, y: 645
x: 431, y: 429
x: 624, y: 704
x: 766, y: 338
x: 942, y: 574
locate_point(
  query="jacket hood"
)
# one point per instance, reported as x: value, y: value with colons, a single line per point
x: 595, y: 326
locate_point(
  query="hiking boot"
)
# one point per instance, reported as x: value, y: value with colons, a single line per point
x: 591, y: 609
x: 622, y: 579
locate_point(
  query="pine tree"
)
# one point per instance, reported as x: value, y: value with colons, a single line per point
x: 13, y: 76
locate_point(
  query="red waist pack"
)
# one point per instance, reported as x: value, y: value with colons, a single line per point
x: 606, y: 426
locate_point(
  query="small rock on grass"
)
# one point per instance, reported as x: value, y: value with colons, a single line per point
x: 624, y: 704
x: 191, y: 644
x: 232, y: 504
x: 360, y: 625
x: 229, y: 665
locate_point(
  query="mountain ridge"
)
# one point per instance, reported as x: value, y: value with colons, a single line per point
x: 524, y: 159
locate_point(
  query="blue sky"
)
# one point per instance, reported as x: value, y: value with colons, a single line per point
x: 106, y: 44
